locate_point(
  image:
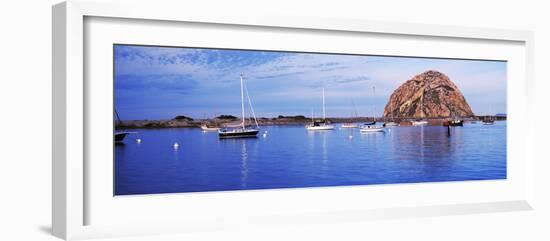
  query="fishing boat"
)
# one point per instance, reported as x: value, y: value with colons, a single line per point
x: 371, y: 128
x: 320, y: 125
x: 243, y: 130
x: 119, y: 136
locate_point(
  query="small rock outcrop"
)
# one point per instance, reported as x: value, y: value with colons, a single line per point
x: 428, y: 95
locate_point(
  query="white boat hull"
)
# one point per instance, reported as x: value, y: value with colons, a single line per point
x: 320, y: 128
x: 205, y: 128
x: 419, y: 123
x: 350, y: 126
x: 372, y: 129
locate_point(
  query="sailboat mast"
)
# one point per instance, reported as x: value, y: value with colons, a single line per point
x: 324, y: 104
x: 354, y: 108
x: 118, y: 117
x: 250, y: 104
x: 242, y: 100
x: 374, y: 106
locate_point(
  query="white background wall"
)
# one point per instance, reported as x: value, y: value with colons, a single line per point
x: 25, y: 109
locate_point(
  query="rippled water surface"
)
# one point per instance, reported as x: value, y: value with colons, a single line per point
x: 291, y: 156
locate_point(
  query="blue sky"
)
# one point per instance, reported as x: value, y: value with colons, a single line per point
x: 162, y: 82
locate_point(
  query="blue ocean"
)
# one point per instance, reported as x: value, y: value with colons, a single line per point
x: 293, y: 157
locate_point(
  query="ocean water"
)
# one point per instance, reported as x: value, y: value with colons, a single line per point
x: 292, y: 157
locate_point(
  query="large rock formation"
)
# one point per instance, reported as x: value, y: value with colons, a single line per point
x: 430, y: 94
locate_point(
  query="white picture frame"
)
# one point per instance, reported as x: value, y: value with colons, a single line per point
x: 72, y: 189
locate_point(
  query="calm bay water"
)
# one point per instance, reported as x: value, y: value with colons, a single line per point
x: 291, y: 156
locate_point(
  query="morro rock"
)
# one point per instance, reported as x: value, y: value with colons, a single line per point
x: 430, y: 94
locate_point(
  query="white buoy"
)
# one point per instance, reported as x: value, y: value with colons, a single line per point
x: 176, y: 146
x: 350, y: 137
x: 265, y: 132
x: 138, y: 140
x: 265, y: 135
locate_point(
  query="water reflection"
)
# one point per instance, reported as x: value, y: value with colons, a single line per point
x: 421, y: 147
x: 244, y: 164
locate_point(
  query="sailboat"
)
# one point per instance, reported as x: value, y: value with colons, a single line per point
x: 373, y: 122
x: 371, y: 126
x: 488, y: 120
x: 120, y: 135
x: 351, y: 124
x: 421, y: 122
x: 320, y: 126
x: 243, y: 130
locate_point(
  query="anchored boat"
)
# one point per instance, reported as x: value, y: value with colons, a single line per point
x: 243, y: 130
x: 205, y: 127
x: 119, y: 136
x: 371, y: 128
x: 488, y: 122
x: 349, y: 125
x: 369, y: 123
x: 320, y: 125
x: 390, y: 123
x: 454, y: 122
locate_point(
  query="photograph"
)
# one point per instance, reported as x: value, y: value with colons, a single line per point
x: 195, y: 119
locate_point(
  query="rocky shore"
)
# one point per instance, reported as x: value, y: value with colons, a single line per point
x: 294, y: 120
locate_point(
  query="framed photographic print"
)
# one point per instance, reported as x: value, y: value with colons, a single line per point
x: 195, y: 119
x: 180, y: 121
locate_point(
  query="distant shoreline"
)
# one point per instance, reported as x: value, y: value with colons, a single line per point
x: 300, y: 120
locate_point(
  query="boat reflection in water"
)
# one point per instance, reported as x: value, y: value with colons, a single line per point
x: 244, y: 165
